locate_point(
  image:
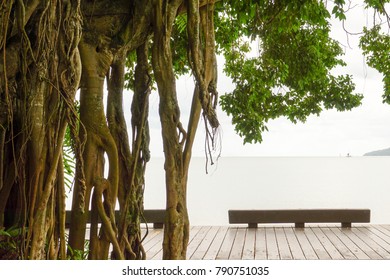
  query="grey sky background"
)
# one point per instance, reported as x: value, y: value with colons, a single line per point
x: 333, y: 133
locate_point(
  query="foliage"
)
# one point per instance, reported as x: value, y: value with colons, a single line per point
x: 76, y: 254
x: 291, y: 74
x: 179, y: 42
x: 69, y: 149
x: 10, y: 243
x: 68, y: 160
x: 131, y: 61
x: 338, y: 9
x: 375, y: 45
x: 378, y: 5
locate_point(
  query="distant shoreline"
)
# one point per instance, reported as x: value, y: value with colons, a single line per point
x: 379, y: 153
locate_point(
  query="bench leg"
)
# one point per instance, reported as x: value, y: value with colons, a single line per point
x: 346, y: 225
x: 158, y: 225
x: 252, y: 225
x: 300, y: 225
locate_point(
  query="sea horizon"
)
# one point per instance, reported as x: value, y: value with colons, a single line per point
x: 277, y: 183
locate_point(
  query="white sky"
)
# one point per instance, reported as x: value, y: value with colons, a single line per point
x: 356, y: 132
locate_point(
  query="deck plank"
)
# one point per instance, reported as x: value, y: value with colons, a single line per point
x: 260, y: 245
x: 306, y: 246
x: 327, y: 244
x: 215, y: 246
x: 227, y: 244
x: 318, y: 248
x: 196, y: 240
x: 204, y: 245
x: 238, y: 245
x: 248, y: 252
x: 272, y: 244
x: 370, y: 234
x: 380, y: 234
x: 342, y: 234
x: 193, y: 232
x: 295, y: 247
x: 284, y: 248
x: 384, y: 229
x: 381, y: 239
x: 337, y: 242
x: 370, y: 241
x: 150, y: 236
x: 156, y: 247
x: 156, y: 238
x: 362, y: 245
x: 158, y: 255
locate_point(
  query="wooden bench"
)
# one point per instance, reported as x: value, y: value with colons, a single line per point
x: 300, y: 216
x: 152, y: 216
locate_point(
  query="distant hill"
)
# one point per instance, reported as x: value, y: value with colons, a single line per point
x: 384, y: 152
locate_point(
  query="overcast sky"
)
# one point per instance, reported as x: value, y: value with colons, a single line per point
x: 356, y: 132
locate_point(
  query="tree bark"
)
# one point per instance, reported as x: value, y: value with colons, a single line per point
x: 37, y: 98
x: 131, y: 163
x: 98, y: 140
x: 176, y: 234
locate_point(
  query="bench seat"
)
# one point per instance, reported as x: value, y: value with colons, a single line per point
x: 152, y: 216
x: 300, y: 216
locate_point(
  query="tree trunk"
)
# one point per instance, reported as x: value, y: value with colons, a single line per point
x: 98, y: 140
x: 176, y: 142
x: 37, y: 91
x: 176, y: 234
x: 112, y: 28
x: 131, y: 163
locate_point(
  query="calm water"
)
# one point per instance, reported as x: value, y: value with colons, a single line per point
x: 278, y: 183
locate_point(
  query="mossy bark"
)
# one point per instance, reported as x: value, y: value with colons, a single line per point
x: 177, y: 142
x: 132, y: 161
x: 176, y: 234
x: 98, y: 140
x: 37, y: 90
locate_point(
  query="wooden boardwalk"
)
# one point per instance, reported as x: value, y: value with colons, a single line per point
x: 363, y: 242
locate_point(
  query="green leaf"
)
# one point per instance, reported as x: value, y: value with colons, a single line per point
x: 4, y: 233
x: 375, y: 45
x: 291, y: 76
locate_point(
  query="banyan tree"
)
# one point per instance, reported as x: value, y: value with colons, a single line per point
x: 53, y: 49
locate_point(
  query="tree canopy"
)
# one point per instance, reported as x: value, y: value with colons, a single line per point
x: 292, y: 75
x: 51, y: 49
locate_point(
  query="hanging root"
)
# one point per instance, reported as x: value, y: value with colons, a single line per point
x: 204, y: 67
x: 202, y: 64
x: 100, y: 190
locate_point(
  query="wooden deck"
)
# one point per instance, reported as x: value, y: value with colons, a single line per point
x: 363, y: 242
